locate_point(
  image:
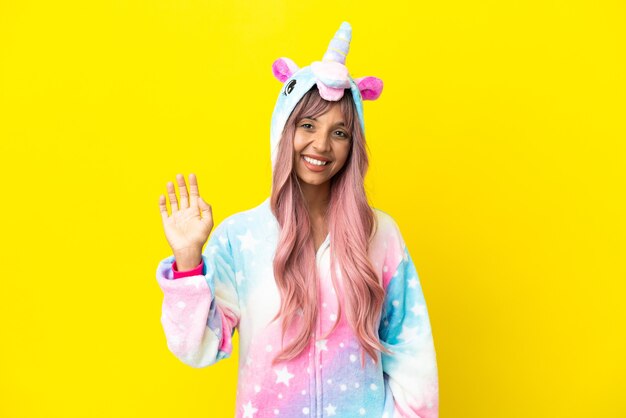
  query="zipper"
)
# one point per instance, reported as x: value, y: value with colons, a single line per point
x: 317, y: 374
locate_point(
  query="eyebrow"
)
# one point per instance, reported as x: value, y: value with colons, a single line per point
x: 312, y: 118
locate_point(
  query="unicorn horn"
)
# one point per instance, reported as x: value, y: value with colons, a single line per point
x: 339, y: 45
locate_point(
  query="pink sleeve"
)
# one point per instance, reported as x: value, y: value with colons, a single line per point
x: 193, y: 272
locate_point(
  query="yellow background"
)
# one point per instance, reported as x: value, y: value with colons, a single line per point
x: 497, y: 145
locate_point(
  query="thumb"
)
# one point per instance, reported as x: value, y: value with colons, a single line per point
x: 205, y: 208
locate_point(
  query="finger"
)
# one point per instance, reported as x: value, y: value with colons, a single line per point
x: 193, y: 190
x: 207, y: 211
x: 182, y: 188
x: 171, y: 193
x: 163, y: 207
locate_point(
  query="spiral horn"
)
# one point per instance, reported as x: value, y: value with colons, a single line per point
x: 340, y: 45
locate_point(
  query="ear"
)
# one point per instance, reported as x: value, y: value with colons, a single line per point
x: 370, y: 87
x: 283, y: 68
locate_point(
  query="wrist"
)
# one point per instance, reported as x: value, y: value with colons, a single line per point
x: 187, y: 259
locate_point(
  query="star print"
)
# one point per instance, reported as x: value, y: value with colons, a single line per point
x: 418, y: 309
x: 413, y: 283
x: 283, y: 376
x: 330, y: 409
x: 195, y: 281
x: 223, y: 240
x: 321, y: 345
x: 247, y: 241
x: 249, y: 410
x: 407, y: 333
x: 239, y: 277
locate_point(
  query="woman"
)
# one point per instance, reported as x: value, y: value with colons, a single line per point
x: 320, y: 286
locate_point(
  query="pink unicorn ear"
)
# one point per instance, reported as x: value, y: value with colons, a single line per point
x: 370, y: 87
x: 283, y: 68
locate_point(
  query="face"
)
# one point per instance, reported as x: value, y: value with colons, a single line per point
x: 324, y: 138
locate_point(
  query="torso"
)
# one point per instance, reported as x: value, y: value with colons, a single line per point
x: 254, y: 236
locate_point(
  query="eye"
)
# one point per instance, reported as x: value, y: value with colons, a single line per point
x: 290, y: 87
x: 342, y: 134
x: 304, y: 125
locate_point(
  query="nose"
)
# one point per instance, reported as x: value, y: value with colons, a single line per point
x: 321, y: 143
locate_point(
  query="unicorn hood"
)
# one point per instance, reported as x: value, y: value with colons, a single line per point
x: 331, y: 77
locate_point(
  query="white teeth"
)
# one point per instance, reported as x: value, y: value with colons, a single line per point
x: 315, y: 162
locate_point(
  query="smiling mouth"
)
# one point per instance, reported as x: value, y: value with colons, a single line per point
x: 315, y: 167
x: 315, y: 162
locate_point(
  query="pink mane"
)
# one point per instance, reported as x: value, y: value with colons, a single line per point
x: 351, y: 224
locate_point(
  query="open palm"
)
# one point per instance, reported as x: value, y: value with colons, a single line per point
x: 189, y: 225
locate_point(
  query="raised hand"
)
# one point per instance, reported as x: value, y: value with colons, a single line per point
x: 189, y: 225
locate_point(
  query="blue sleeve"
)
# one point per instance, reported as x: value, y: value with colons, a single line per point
x: 411, y: 370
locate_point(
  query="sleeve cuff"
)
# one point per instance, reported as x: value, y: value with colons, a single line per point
x: 193, y: 272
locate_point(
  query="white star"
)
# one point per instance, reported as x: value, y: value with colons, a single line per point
x: 407, y: 333
x: 283, y: 376
x: 321, y: 345
x: 413, y: 282
x: 330, y: 409
x: 247, y: 241
x: 239, y: 277
x: 418, y: 309
x: 249, y: 410
x: 248, y: 361
x: 195, y: 281
x: 223, y: 240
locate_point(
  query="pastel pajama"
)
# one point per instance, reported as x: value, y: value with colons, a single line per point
x: 235, y: 289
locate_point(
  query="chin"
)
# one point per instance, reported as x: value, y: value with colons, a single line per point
x: 313, y: 180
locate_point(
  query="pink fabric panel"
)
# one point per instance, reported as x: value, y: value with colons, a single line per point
x: 193, y: 272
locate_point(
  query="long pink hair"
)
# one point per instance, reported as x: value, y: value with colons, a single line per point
x: 351, y: 225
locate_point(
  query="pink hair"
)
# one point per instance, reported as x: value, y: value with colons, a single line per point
x: 351, y: 225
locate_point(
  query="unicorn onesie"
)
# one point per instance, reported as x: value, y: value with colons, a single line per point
x: 234, y: 288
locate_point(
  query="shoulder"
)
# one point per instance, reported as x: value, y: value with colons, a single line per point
x: 247, y: 227
x: 386, y: 226
x: 387, y: 247
x: 246, y: 218
x: 383, y: 216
